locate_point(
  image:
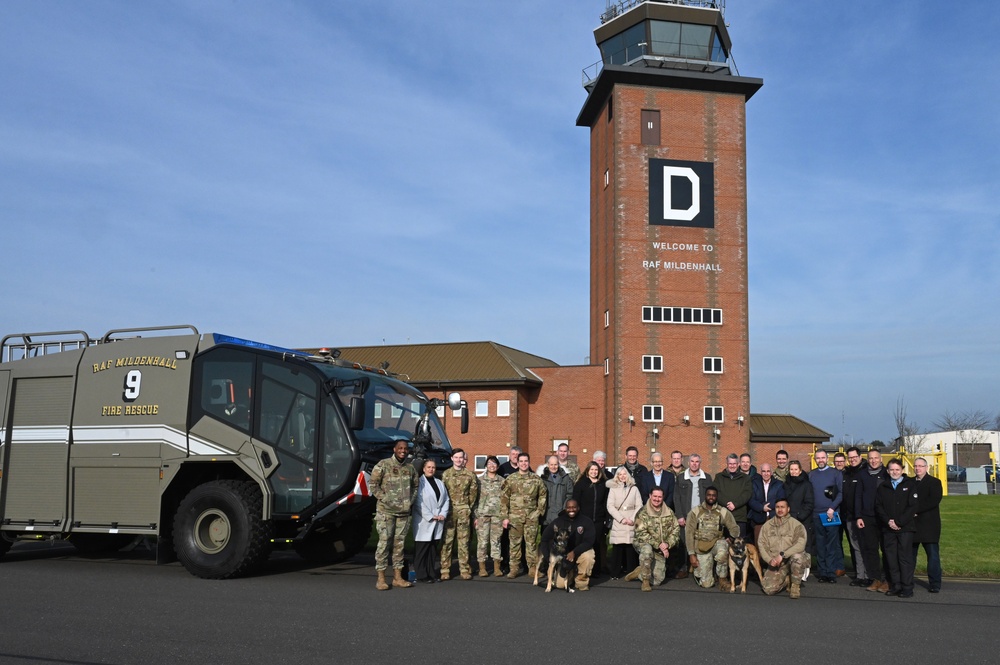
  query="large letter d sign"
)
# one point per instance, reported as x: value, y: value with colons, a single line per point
x: 681, y: 214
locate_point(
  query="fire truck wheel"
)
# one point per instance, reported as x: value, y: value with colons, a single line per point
x: 219, y: 532
x: 5, y: 544
x: 337, y: 544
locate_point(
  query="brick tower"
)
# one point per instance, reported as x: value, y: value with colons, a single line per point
x: 668, y: 229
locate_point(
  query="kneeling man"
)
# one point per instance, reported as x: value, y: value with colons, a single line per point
x: 704, y: 531
x: 782, y: 548
x: 656, y: 531
x: 580, y: 550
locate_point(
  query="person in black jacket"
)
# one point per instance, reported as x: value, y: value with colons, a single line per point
x: 896, y: 505
x: 799, y: 492
x: 870, y: 530
x: 928, y: 519
x: 852, y: 486
x: 581, y: 542
x: 591, y: 493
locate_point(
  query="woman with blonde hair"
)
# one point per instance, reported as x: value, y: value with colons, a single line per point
x: 623, y: 503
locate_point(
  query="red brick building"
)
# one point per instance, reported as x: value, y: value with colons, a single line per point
x: 669, y: 319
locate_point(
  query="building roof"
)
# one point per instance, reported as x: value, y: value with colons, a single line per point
x: 457, y: 363
x: 784, y: 428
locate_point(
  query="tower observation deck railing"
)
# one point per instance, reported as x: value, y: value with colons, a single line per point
x: 634, y: 55
x: 616, y: 9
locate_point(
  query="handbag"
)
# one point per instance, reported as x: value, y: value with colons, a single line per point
x: 610, y: 522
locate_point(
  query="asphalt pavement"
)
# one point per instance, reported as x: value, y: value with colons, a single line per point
x: 60, y: 608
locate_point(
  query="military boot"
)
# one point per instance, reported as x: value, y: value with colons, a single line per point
x: 497, y: 572
x: 793, y: 590
x: 381, y: 584
x: 482, y: 569
x: 634, y: 575
x: 646, y: 586
x: 398, y: 580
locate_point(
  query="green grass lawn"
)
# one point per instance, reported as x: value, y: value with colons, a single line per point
x: 970, y: 537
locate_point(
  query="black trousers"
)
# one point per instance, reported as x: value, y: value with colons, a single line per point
x: 624, y: 559
x: 870, y: 538
x: 900, y: 558
x: 425, y: 558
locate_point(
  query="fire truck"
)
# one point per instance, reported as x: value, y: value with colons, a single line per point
x: 220, y: 448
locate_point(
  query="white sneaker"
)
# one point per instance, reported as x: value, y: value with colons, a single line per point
x: 805, y: 575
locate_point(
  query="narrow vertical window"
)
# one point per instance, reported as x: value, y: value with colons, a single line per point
x: 650, y: 131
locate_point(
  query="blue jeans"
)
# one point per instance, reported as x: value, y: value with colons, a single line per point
x: 933, y: 562
x: 827, y: 544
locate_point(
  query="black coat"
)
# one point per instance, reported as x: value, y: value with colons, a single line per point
x: 799, y: 493
x: 582, y: 533
x: 928, y: 519
x: 864, y: 501
x: 593, y: 500
x: 898, y: 504
x: 852, y: 487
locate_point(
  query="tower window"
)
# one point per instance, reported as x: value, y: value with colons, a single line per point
x: 607, y: 177
x: 712, y: 365
x: 650, y: 131
x: 607, y: 366
x: 607, y: 318
x: 652, y: 363
x: 713, y: 414
x: 652, y: 413
x: 692, y: 315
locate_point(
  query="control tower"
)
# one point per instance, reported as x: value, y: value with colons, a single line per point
x: 668, y: 230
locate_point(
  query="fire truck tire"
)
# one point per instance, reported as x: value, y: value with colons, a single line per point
x: 336, y: 545
x: 219, y: 532
x: 5, y: 544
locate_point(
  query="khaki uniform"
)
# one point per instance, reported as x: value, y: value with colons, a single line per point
x: 572, y: 470
x: 489, y: 515
x: 704, y: 535
x: 394, y: 486
x: 463, y: 490
x: 782, y: 535
x: 652, y: 528
x: 522, y: 502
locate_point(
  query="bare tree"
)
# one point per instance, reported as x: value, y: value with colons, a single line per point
x: 909, y: 436
x: 960, y: 420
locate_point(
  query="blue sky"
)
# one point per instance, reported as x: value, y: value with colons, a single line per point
x: 338, y: 173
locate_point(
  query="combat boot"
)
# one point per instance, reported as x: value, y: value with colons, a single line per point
x: 497, y: 572
x: 466, y: 574
x: 634, y: 575
x: 482, y: 569
x: 398, y: 580
x: 793, y: 591
x: 445, y: 574
x: 381, y: 584
x: 646, y: 586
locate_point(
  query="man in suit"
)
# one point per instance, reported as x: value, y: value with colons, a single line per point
x: 928, y: 518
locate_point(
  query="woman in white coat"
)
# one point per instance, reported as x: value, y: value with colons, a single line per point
x: 624, y: 502
x: 429, y: 513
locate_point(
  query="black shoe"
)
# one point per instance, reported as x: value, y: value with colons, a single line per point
x: 894, y: 592
x: 861, y: 582
x: 906, y: 594
x: 934, y: 589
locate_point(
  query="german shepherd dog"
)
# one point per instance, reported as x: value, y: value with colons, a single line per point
x: 559, y: 567
x: 741, y: 556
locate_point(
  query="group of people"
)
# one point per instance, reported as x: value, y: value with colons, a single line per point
x: 667, y: 521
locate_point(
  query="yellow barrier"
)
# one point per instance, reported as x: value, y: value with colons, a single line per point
x: 937, y: 462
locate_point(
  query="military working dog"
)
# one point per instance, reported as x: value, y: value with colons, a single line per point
x: 742, y: 555
x: 559, y: 568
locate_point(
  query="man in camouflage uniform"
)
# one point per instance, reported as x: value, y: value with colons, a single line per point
x: 523, y: 502
x: 487, y: 517
x: 782, y: 549
x: 705, y: 542
x: 393, y: 483
x: 656, y: 531
x: 463, y: 490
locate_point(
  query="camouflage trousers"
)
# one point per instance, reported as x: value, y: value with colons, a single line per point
x: 718, y: 555
x: 392, y: 530
x: 652, y: 563
x: 488, y: 535
x: 459, y: 523
x: 526, y: 530
x: 777, y: 579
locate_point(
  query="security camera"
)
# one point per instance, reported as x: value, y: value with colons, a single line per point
x: 687, y: 419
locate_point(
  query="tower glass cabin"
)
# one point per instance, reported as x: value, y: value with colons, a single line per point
x: 668, y: 223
